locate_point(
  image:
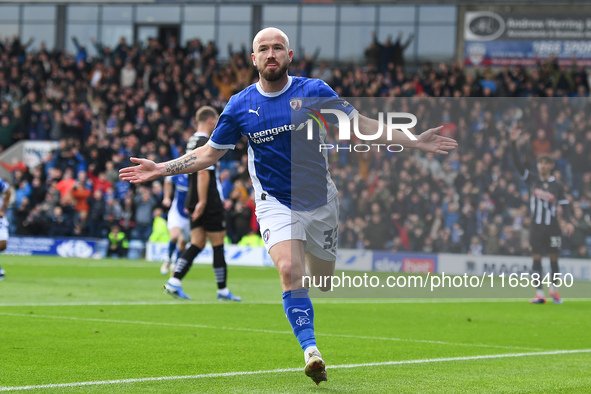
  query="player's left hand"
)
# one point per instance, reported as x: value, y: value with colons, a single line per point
x: 198, y: 211
x: 429, y: 141
x: 568, y: 229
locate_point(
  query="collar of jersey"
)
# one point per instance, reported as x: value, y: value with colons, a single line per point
x: 274, y: 94
x: 550, y: 179
x: 201, y: 134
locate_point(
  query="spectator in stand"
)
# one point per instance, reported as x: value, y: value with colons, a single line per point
x: 240, y: 216
x: 582, y: 230
x: 491, y: 239
x: 6, y: 132
x: 118, y: 243
x: 80, y: 193
x: 81, y: 228
x: 252, y: 239
x: 60, y: 223
x: 96, y: 214
x: 107, y: 118
x: 399, y: 48
x: 159, y: 227
x: 24, y: 191
x: 144, y: 204
x: 372, y: 54
x: 113, y: 210
x: 476, y: 247
x: 541, y: 144
x: 580, y: 164
x: 111, y: 173
x: 66, y: 185
x: 99, y: 182
x: 377, y: 231
x: 128, y: 75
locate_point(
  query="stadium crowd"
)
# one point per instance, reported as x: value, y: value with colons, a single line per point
x: 140, y: 101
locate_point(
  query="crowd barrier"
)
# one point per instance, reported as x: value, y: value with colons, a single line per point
x: 347, y: 260
x: 379, y: 261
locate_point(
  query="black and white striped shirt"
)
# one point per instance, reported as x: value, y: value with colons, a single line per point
x: 545, y: 195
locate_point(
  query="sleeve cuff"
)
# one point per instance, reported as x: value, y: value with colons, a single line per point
x: 220, y: 146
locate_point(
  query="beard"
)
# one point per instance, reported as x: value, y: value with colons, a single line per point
x: 273, y: 75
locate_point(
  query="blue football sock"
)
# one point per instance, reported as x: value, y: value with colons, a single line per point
x: 300, y: 313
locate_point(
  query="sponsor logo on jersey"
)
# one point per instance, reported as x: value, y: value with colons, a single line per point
x: 268, y: 135
x: 544, y: 195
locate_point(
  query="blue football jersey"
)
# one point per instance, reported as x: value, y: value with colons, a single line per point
x: 4, y: 186
x: 181, y: 187
x: 284, y: 159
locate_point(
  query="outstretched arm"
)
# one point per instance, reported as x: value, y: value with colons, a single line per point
x: 427, y: 141
x: 514, y: 134
x: 76, y: 43
x: 408, y: 41
x: 193, y: 161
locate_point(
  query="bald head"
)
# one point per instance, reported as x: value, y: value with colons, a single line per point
x: 269, y: 33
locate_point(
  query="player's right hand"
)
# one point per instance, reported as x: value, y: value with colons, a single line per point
x: 166, y: 202
x: 429, y: 141
x: 146, y: 170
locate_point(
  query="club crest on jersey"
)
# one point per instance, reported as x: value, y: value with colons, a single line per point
x: 266, y: 235
x: 295, y: 104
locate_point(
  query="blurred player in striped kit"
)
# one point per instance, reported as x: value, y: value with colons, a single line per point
x: 207, y: 216
x: 547, y: 200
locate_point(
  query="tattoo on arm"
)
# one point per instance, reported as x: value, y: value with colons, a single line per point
x: 177, y: 166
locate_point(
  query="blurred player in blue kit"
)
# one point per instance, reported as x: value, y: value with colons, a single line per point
x: 5, y: 194
x: 298, y: 224
x: 178, y: 219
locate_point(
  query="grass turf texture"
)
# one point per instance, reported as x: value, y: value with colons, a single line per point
x: 72, y: 320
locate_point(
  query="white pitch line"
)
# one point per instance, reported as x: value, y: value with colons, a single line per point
x: 428, y: 341
x: 133, y: 303
x: 244, y: 373
x: 316, y: 300
x: 73, y: 318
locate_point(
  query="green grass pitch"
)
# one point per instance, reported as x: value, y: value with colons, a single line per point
x: 86, y: 326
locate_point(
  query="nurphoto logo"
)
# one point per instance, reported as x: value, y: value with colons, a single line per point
x: 393, y: 121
